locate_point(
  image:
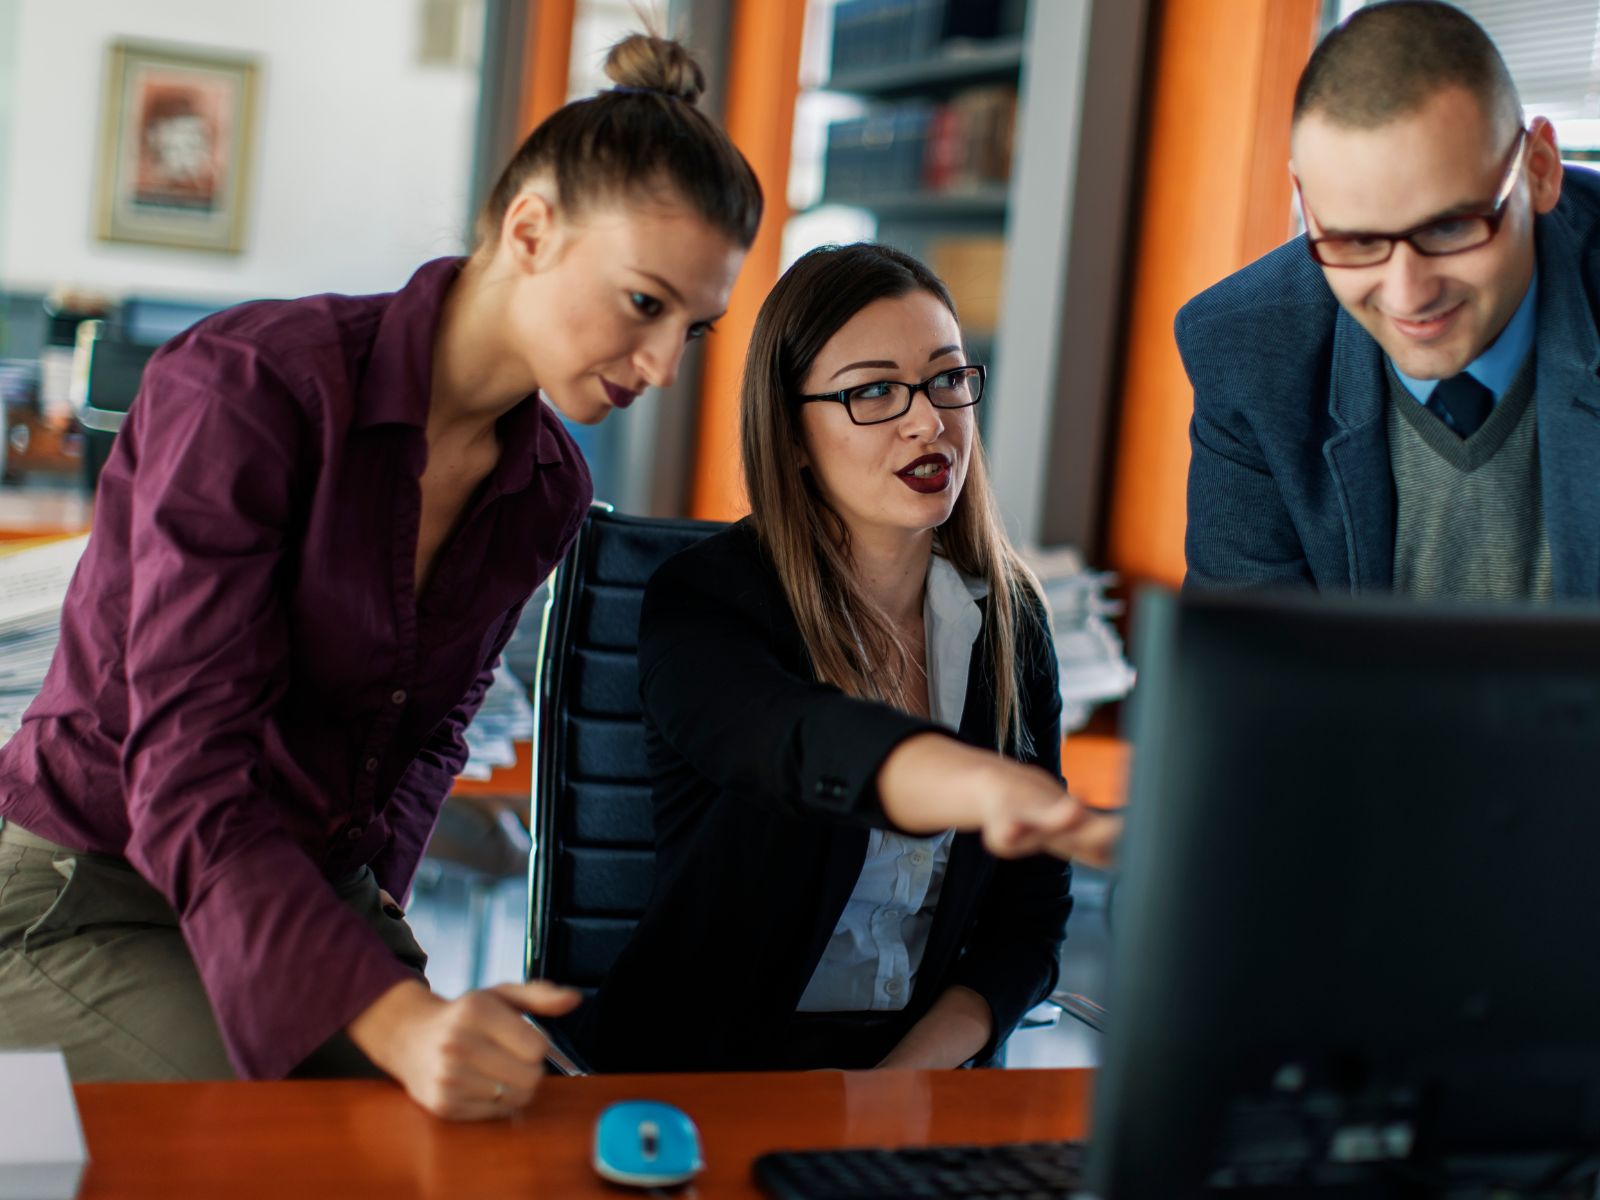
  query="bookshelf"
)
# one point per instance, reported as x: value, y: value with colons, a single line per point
x: 937, y: 83
x: 990, y: 60
x: 997, y: 142
x: 921, y: 144
x: 985, y: 203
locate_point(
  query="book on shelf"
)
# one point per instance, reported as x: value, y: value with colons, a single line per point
x: 878, y: 154
x: 875, y: 33
x: 918, y: 146
x: 870, y: 33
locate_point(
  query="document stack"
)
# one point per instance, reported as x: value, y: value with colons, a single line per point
x: 33, y: 584
x: 1093, y: 668
x: 504, y: 718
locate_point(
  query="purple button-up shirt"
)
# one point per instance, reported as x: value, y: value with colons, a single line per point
x: 249, y: 698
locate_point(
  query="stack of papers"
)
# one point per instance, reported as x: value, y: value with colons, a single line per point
x: 504, y: 718
x: 1093, y: 668
x: 33, y: 584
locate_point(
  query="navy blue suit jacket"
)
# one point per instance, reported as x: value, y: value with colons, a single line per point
x: 1289, y: 479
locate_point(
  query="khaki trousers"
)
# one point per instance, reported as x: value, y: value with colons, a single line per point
x: 92, y: 961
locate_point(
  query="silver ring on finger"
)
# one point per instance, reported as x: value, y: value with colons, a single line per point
x: 499, y: 1091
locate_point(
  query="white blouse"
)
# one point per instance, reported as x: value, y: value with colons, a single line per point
x: 871, y: 960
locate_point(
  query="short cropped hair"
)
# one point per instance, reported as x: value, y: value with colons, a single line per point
x: 1387, y: 60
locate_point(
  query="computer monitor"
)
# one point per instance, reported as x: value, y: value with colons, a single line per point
x: 1356, y: 941
x: 150, y: 320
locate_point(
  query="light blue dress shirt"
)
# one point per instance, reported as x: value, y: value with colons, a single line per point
x: 871, y: 960
x: 1498, y: 365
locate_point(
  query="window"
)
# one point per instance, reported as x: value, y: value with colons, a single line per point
x: 1552, y: 48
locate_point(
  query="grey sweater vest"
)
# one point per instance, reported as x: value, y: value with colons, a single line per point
x: 1469, y: 521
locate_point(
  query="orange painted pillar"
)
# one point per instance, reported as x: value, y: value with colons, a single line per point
x: 546, y: 54
x: 763, y: 79
x: 1216, y: 196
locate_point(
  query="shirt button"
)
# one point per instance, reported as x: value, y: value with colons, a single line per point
x: 892, y: 987
x: 891, y: 915
x: 398, y: 696
x: 919, y: 858
x: 372, y: 766
x: 354, y: 833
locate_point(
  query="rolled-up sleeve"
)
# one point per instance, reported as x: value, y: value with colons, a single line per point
x: 217, y: 446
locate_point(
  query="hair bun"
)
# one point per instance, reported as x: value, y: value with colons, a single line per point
x: 655, y: 64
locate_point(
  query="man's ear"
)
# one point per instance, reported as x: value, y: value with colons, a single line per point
x: 1299, y: 196
x: 528, y: 232
x: 1544, y: 165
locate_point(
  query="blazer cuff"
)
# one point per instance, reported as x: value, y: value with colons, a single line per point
x: 1007, y: 1004
x: 843, y: 749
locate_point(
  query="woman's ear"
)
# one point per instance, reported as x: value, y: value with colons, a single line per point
x: 528, y: 233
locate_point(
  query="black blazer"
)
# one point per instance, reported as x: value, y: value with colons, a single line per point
x: 764, y: 795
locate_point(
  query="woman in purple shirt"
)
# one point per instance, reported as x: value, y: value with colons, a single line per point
x: 311, y: 542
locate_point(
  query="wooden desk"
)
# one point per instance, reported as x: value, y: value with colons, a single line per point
x: 513, y: 783
x: 1095, y: 765
x: 347, y: 1139
x: 1096, y: 768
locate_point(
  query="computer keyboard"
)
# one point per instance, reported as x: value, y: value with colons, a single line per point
x: 1023, y: 1170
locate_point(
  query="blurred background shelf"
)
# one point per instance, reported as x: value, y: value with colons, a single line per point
x: 964, y: 62
x: 988, y: 202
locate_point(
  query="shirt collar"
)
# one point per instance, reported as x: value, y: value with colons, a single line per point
x: 399, y: 379
x: 399, y: 374
x: 952, y: 595
x: 1496, y: 368
x: 953, y: 620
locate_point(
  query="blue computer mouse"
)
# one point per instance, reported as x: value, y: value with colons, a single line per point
x: 645, y: 1143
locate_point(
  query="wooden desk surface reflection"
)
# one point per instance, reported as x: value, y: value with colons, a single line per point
x: 305, y: 1140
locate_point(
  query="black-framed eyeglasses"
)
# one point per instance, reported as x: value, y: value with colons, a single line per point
x: 1434, y: 239
x: 886, y: 399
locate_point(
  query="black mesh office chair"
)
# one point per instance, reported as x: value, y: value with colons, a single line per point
x: 593, y: 859
x: 108, y: 368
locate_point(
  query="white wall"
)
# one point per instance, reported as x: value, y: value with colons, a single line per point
x: 361, y: 163
x: 8, y: 55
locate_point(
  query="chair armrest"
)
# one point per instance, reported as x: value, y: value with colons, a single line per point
x: 561, y: 1058
x: 1075, y: 1004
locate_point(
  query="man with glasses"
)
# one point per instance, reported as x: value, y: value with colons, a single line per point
x: 1406, y: 398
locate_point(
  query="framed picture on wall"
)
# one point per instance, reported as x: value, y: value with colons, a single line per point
x: 175, y: 147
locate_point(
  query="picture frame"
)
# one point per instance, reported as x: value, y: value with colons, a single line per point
x: 176, y: 144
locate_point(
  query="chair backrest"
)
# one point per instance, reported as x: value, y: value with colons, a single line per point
x: 109, y: 369
x: 593, y: 859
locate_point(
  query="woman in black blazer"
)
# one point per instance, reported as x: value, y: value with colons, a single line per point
x: 852, y: 719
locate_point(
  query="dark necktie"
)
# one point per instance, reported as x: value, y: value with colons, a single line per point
x: 1462, y: 403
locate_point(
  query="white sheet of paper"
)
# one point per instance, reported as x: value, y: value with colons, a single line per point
x: 33, y: 582
x: 41, y: 1142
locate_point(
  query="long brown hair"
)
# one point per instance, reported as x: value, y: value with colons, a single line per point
x: 850, y: 639
x: 644, y: 136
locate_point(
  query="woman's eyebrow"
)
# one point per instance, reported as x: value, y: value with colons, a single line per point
x: 660, y: 282
x: 871, y: 362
